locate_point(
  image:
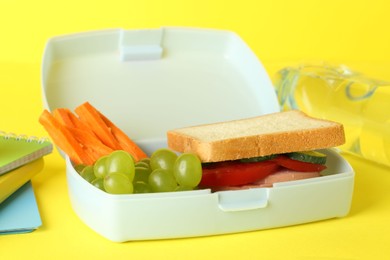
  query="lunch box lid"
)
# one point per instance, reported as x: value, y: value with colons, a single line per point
x: 153, y: 80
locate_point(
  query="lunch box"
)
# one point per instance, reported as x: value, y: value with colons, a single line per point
x: 154, y: 80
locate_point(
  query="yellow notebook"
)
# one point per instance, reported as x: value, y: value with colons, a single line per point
x: 18, y: 150
x: 13, y: 180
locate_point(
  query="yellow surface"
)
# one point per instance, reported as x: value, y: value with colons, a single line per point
x: 278, y: 31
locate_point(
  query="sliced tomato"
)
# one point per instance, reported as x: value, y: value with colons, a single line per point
x: 296, y: 165
x: 235, y: 173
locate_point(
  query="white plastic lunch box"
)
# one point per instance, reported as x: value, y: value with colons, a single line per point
x: 150, y: 81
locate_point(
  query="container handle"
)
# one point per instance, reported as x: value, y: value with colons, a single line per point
x: 140, y: 44
x: 241, y: 200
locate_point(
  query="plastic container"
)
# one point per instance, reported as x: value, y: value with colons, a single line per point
x: 340, y: 94
x: 149, y: 81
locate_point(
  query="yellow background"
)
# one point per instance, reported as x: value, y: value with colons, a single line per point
x: 279, y: 32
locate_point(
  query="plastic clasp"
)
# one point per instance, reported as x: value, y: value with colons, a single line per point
x: 140, y: 44
x: 240, y: 200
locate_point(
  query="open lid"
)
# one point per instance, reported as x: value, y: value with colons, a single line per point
x: 151, y: 81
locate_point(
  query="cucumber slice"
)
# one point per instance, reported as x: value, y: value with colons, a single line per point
x: 309, y: 156
x: 258, y: 159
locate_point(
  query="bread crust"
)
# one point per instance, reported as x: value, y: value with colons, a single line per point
x: 303, y: 134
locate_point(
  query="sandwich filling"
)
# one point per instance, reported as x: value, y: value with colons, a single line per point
x: 262, y: 171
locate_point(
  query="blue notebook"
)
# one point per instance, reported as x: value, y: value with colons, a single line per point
x: 19, y: 212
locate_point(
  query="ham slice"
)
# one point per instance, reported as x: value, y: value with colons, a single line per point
x: 280, y: 176
x: 285, y: 175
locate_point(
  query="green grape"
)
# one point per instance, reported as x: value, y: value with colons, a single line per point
x: 188, y: 170
x: 183, y: 188
x: 145, y: 160
x: 141, y: 174
x: 98, y: 183
x: 79, y: 167
x: 161, y: 180
x: 121, y: 161
x: 142, y: 164
x: 100, y: 168
x: 118, y: 183
x: 87, y: 173
x: 142, y: 187
x: 163, y: 159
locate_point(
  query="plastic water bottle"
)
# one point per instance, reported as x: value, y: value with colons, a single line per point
x: 336, y: 93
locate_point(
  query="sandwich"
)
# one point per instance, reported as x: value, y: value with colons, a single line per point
x: 259, y: 151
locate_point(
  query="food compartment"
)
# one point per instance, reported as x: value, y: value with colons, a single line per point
x: 202, y: 212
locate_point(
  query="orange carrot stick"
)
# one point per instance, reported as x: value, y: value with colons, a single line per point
x: 64, y: 139
x: 77, y: 123
x: 89, y: 136
x: 62, y: 116
x: 92, y: 146
x: 124, y: 141
x: 90, y: 116
x: 91, y: 143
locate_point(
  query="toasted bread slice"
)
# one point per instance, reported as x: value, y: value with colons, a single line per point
x: 276, y: 133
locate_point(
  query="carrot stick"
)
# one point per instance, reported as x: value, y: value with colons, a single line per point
x: 88, y: 136
x: 124, y: 141
x: 89, y: 141
x: 90, y: 116
x: 64, y: 139
x: 89, y: 158
x: 92, y: 146
x: 62, y: 116
x: 80, y: 124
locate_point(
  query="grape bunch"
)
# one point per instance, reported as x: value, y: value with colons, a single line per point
x: 164, y: 171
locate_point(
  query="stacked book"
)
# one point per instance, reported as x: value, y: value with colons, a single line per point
x: 21, y: 158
